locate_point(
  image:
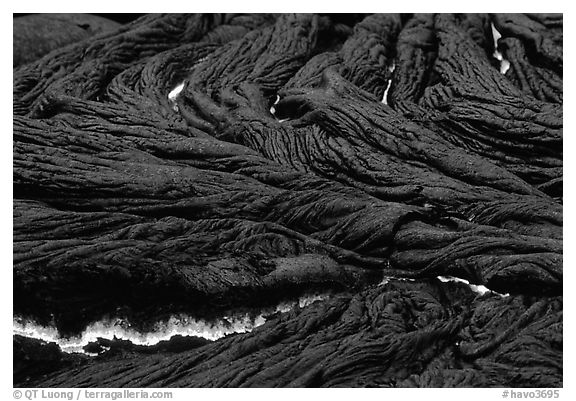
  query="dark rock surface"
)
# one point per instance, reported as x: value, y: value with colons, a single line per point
x: 394, y: 148
x: 401, y: 334
x: 35, y: 35
x: 34, y: 359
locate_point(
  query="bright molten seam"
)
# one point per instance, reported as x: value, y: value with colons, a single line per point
x: 177, y: 325
x: 504, y: 64
x: 479, y: 289
x: 173, y: 95
x: 175, y: 92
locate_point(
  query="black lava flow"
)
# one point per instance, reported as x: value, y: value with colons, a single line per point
x: 363, y: 156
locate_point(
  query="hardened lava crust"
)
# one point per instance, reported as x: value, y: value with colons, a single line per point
x: 202, y: 163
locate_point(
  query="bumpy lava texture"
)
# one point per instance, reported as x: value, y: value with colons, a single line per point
x: 365, y: 155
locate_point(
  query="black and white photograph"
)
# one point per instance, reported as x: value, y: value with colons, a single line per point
x: 264, y: 200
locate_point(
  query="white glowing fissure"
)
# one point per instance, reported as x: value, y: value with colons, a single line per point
x: 385, y: 97
x: 273, y: 110
x: 391, y: 68
x: 504, y: 64
x: 479, y: 289
x: 387, y: 279
x: 176, y: 325
x: 174, y: 93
